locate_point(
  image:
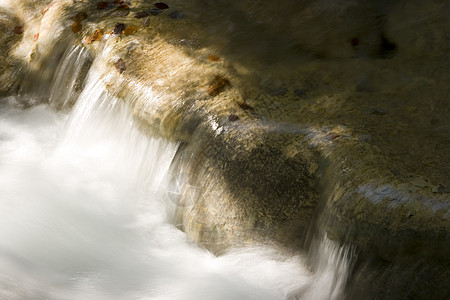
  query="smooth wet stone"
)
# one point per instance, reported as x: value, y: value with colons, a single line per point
x: 161, y: 5
x: 119, y: 28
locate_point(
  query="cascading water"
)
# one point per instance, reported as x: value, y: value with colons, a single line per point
x: 86, y: 213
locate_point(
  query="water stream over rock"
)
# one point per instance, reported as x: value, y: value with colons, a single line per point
x: 218, y: 149
x: 87, y: 212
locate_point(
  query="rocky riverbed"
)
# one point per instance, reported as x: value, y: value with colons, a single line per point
x: 295, y: 119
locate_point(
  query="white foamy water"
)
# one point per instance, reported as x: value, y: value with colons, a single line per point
x: 85, y: 214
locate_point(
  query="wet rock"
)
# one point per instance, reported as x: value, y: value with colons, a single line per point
x: 388, y: 49
x: 434, y: 122
x: 130, y: 30
x: 213, y: 57
x: 249, y: 202
x: 141, y: 14
x: 154, y: 11
x: 233, y: 118
x: 18, y: 30
x: 121, y: 11
x: 218, y: 85
x: 419, y: 182
x: 120, y: 65
x: 443, y: 189
x: 365, y: 138
x: 96, y: 36
x: 176, y: 15
x: 278, y: 92
x: 301, y: 93
x: 45, y: 9
x: 145, y: 22
x: 119, y: 28
x: 103, y: 5
x: 331, y: 136
x: 354, y: 42
x: 378, y: 111
x: 161, y: 5
x: 363, y: 85
x: 80, y: 16
x: 76, y: 27
x: 245, y: 106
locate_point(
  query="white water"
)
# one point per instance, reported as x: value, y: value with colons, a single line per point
x: 84, y: 214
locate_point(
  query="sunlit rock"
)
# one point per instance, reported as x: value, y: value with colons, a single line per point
x: 295, y: 118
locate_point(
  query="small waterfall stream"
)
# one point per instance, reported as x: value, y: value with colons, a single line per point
x: 86, y: 213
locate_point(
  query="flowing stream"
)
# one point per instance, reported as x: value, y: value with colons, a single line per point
x: 85, y: 213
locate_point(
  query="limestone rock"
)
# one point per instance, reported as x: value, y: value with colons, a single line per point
x: 338, y: 108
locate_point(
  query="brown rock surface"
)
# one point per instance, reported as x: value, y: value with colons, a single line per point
x: 341, y: 124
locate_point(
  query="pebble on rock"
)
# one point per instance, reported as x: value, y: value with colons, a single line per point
x: 119, y: 28
x: 213, y: 57
x: 102, y: 5
x: 96, y: 36
x: 233, y: 118
x: 218, y: 85
x: 120, y: 65
x: 141, y: 14
x: 80, y: 16
x: 76, y: 27
x: 18, y: 30
x: 161, y: 5
x: 130, y: 30
x: 121, y: 11
x: 245, y: 106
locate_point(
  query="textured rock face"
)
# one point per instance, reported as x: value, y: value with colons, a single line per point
x: 11, y: 30
x: 332, y: 115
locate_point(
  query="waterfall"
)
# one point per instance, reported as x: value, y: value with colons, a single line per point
x: 86, y: 210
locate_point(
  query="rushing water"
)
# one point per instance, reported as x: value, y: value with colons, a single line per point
x: 85, y: 214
